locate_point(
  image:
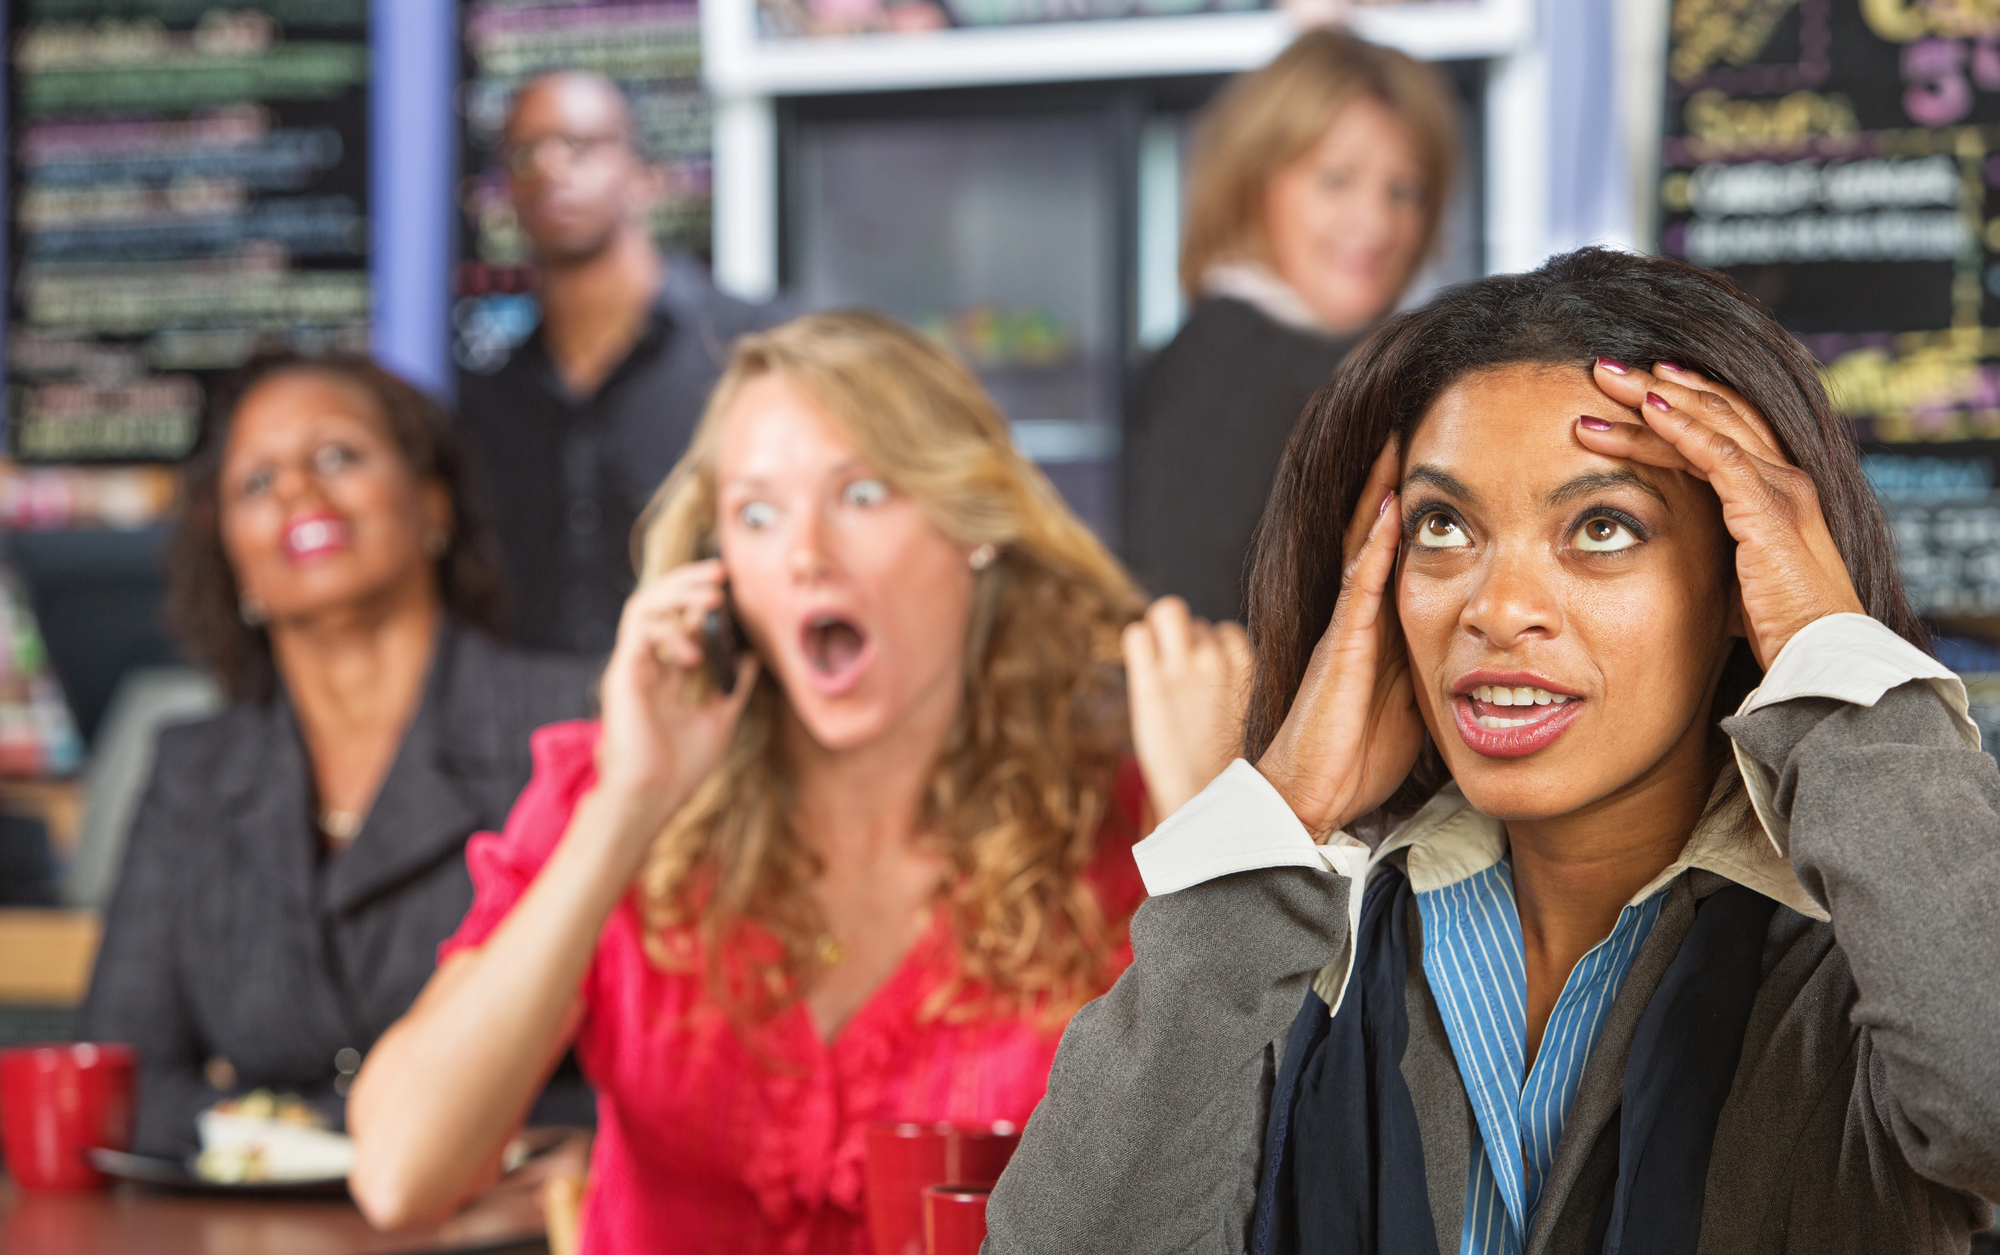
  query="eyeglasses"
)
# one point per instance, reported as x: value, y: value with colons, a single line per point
x: 563, y: 150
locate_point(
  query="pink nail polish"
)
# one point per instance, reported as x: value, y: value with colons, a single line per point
x: 1593, y: 423
x: 1658, y: 402
x: 1669, y: 366
x: 1385, y: 504
x: 1613, y: 365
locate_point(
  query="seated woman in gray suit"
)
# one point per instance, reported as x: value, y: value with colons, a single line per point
x: 1633, y: 861
x: 298, y: 858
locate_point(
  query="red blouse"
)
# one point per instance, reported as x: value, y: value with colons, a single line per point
x: 708, y: 1142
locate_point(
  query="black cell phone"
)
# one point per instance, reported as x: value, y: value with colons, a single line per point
x: 722, y: 643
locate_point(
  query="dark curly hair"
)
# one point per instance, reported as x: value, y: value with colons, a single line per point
x: 203, y: 601
x: 1578, y: 307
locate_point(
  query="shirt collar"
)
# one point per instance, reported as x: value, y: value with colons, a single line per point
x: 1448, y: 841
x: 1261, y: 289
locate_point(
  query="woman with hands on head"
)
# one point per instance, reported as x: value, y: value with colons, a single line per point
x: 1631, y: 857
x: 869, y: 882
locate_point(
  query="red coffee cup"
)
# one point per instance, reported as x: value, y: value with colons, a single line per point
x: 976, y: 1154
x: 57, y: 1103
x: 954, y: 1219
x: 902, y: 1160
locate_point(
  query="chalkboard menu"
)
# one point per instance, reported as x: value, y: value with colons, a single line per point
x: 1840, y: 159
x: 652, y: 51
x: 188, y: 185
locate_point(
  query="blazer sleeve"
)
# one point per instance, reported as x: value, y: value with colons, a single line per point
x: 1149, y: 1137
x: 1895, y: 827
x: 135, y: 993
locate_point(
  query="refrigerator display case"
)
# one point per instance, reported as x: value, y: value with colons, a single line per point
x: 995, y: 230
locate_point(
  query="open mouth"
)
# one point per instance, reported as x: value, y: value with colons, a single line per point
x: 837, y: 649
x: 315, y: 536
x: 1513, y: 721
x: 1498, y: 706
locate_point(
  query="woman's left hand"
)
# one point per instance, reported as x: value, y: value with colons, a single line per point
x: 1788, y: 571
x: 1189, y: 685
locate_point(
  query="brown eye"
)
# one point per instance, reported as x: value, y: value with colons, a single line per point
x: 1604, y: 535
x: 1438, y: 530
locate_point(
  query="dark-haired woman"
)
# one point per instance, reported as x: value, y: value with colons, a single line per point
x: 1672, y: 926
x: 298, y: 858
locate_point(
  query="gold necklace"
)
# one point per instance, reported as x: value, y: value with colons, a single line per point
x: 829, y: 949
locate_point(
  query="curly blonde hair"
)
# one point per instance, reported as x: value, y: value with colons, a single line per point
x: 1026, y: 775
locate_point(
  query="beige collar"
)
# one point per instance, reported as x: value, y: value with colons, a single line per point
x: 1448, y: 841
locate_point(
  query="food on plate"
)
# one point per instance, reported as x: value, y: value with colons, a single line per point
x: 267, y: 1137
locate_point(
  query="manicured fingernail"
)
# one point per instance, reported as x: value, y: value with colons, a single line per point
x: 1658, y: 402
x: 1594, y: 423
x: 1613, y: 365
x: 1385, y: 505
x: 1669, y: 366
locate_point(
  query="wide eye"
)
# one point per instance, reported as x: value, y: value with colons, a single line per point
x: 1438, y: 530
x: 866, y: 492
x: 333, y: 456
x: 757, y: 514
x: 1601, y: 534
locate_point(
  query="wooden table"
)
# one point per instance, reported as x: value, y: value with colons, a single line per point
x: 129, y: 1220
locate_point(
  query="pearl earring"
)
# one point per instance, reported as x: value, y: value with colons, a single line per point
x: 251, y: 611
x: 982, y: 557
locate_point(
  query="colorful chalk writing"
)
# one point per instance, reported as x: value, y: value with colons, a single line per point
x: 188, y: 186
x: 1840, y: 160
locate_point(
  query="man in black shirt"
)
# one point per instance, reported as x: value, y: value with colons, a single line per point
x: 580, y: 424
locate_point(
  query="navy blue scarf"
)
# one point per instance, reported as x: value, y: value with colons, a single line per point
x: 1343, y: 1158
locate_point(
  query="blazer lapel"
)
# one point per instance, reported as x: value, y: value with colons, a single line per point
x: 267, y: 794
x: 427, y: 804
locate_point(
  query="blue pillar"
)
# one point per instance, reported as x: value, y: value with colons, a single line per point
x: 412, y: 169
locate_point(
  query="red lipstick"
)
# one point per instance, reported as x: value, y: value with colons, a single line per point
x: 315, y: 535
x: 1511, y: 714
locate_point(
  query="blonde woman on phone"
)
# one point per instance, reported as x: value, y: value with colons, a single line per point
x: 872, y: 881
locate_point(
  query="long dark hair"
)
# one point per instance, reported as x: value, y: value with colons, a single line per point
x: 1578, y: 307
x: 203, y: 601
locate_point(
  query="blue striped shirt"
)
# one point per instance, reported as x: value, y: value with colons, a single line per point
x: 1476, y: 963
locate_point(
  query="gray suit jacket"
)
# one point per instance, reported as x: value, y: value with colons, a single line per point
x: 1865, y: 1114
x: 230, y: 936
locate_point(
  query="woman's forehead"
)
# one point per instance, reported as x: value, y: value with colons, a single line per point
x: 293, y: 404
x: 1515, y: 420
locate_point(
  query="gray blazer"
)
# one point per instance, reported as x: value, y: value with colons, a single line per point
x: 232, y: 937
x: 1865, y: 1114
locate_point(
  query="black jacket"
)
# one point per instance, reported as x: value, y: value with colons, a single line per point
x: 569, y: 475
x: 1213, y: 412
x: 232, y: 937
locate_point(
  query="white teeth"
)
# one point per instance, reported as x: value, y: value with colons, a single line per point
x: 1495, y: 721
x: 1517, y: 696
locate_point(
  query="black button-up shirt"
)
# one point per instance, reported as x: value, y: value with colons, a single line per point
x: 566, y: 476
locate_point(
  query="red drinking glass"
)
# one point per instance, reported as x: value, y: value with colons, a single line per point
x: 954, y: 1219
x: 59, y: 1102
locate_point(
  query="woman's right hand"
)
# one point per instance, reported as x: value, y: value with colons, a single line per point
x: 664, y: 729
x: 1353, y: 731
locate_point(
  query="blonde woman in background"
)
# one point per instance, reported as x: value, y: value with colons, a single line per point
x: 1316, y: 189
x: 872, y: 883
